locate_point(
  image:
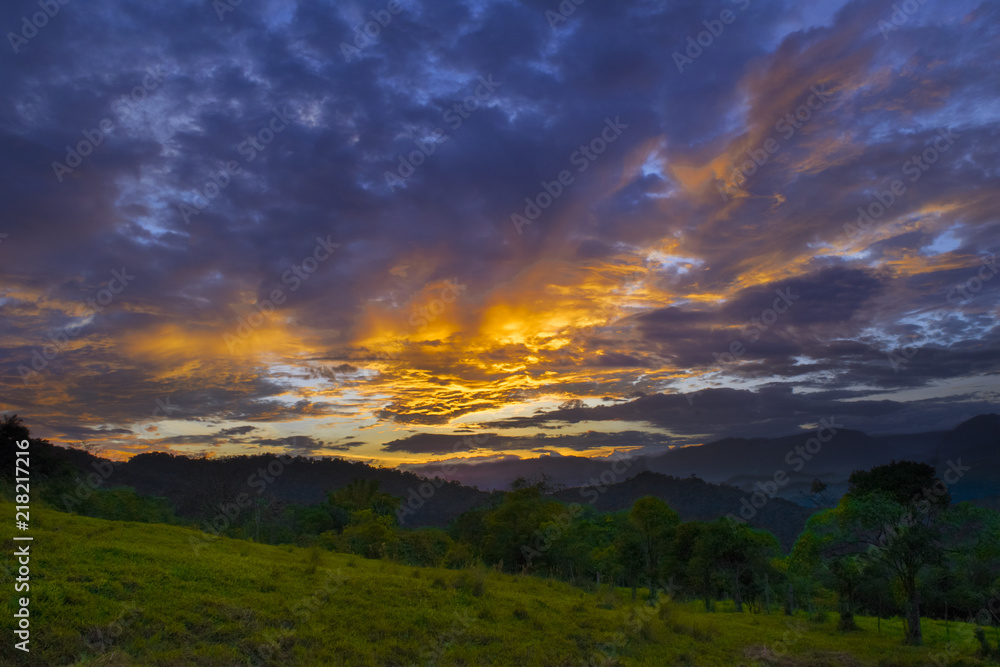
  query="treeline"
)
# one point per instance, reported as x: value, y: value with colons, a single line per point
x: 894, y: 545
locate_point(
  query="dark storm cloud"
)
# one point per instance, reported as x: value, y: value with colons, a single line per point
x: 299, y: 445
x: 237, y: 430
x: 711, y: 414
x: 437, y: 444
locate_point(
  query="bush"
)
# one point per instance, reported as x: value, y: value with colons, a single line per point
x: 458, y: 556
x: 424, y: 546
x: 819, y: 616
x: 608, y: 599
x: 473, y: 582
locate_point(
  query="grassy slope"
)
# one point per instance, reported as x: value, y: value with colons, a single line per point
x: 115, y: 593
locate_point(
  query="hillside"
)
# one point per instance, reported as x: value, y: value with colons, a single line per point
x: 191, y: 484
x: 116, y: 593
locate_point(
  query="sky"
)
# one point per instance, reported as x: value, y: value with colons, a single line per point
x: 401, y: 232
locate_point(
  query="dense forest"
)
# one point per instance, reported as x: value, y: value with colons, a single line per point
x: 895, y: 545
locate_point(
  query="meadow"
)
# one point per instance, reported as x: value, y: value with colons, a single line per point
x: 123, y: 593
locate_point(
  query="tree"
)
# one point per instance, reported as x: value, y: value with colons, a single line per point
x: 629, y: 554
x: 819, y: 495
x: 363, y: 494
x: 747, y: 558
x: 654, y: 523
x: 371, y: 535
x: 678, y: 568
x: 738, y: 554
x: 847, y: 574
x: 576, y: 537
x: 890, y: 515
x: 511, y: 531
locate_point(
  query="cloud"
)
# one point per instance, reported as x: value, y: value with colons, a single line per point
x: 640, y: 276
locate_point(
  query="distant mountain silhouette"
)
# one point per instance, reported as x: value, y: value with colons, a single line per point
x: 745, y: 462
x: 696, y: 500
x: 700, y: 483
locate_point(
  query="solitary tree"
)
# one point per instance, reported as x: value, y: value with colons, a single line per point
x: 891, y: 515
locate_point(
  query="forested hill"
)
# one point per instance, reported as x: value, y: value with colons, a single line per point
x: 193, y: 483
x: 196, y: 486
x: 696, y: 500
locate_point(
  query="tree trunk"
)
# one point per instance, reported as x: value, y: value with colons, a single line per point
x: 739, y: 596
x: 913, y: 632
x: 790, y: 601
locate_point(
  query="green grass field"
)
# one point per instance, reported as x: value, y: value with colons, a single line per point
x: 117, y: 593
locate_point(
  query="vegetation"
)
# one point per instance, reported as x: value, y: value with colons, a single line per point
x: 523, y: 576
x: 127, y: 593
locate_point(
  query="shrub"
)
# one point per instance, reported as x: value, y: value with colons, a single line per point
x: 473, y: 582
x: 819, y: 616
